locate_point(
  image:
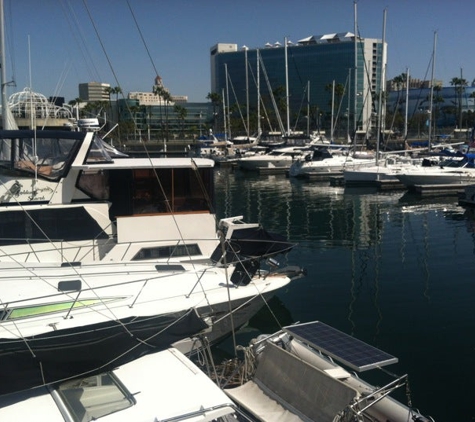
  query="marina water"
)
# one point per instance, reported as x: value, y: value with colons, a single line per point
x: 394, y: 269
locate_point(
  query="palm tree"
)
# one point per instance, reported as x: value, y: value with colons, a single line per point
x: 167, y: 97
x: 215, y: 99
x: 459, y: 84
x: 181, y: 113
x: 159, y: 91
x: 134, y: 110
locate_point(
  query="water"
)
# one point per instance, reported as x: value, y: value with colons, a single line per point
x: 393, y: 269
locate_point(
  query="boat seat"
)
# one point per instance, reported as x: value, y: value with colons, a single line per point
x: 287, y: 389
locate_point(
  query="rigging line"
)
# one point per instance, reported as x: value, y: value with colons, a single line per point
x: 74, y: 268
x: 76, y: 31
x: 237, y: 102
x: 304, y: 99
x: 11, y: 50
x: 139, y: 342
x: 71, y: 296
x: 101, y: 43
x: 259, y: 97
x: 261, y: 101
x: 271, y: 93
x: 142, y: 38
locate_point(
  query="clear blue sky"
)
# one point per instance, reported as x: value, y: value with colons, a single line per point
x: 57, y: 38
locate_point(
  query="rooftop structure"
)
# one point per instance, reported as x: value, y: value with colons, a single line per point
x: 31, y: 109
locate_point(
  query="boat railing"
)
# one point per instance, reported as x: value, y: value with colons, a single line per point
x: 369, y: 400
x: 60, y: 246
x: 77, y: 294
x: 203, y: 412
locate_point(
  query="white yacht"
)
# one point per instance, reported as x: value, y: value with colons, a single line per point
x: 384, y: 171
x: 105, y: 258
x: 278, y: 158
x: 323, y: 161
x: 457, y: 170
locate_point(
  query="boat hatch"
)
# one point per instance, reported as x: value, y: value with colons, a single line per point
x: 88, y: 399
x: 166, y: 267
x: 69, y: 286
x: 348, y: 350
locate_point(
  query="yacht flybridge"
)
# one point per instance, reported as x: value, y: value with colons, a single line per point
x: 105, y: 258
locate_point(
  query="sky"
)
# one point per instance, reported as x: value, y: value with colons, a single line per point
x: 53, y: 45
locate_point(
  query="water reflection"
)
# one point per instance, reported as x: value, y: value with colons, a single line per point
x: 392, y: 268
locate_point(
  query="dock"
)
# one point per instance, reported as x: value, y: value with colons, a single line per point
x: 433, y: 190
x: 272, y: 170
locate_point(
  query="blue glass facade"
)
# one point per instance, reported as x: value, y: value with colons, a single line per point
x: 311, y: 67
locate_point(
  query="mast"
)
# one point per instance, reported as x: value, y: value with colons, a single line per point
x: 381, y: 91
x: 308, y: 108
x: 4, y: 71
x: 432, y: 90
x: 224, y: 116
x: 287, y: 87
x: 247, y: 93
x: 333, y: 108
x: 407, y: 104
x: 227, y: 99
x: 259, y: 129
x: 355, y: 111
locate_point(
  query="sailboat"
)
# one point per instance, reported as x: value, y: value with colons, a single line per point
x: 105, y: 258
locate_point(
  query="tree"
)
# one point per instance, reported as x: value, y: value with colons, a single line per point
x: 159, y: 91
x: 167, y: 97
x: 181, y: 112
x: 215, y: 99
x: 459, y: 84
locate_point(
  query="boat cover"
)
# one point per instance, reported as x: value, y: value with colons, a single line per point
x: 254, y: 243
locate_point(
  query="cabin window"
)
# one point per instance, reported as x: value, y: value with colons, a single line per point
x: 167, y: 252
x: 95, y: 184
x: 56, y: 224
x: 91, y: 398
x: 171, y: 190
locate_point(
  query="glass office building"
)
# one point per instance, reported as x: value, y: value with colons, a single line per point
x: 307, y: 71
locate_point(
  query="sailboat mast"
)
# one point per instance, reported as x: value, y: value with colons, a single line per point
x: 308, y: 108
x: 355, y: 105
x: 381, y: 91
x: 333, y: 108
x: 227, y: 100
x: 247, y: 93
x: 4, y: 71
x: 432, y: 90
x: 407, y: 104
x: 224, y: 116
x: 287, y: 86
x: 259, y: 129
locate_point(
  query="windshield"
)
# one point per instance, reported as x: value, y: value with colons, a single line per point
x: 47, y: 155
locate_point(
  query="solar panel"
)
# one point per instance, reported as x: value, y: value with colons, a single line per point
x: 348, y: 350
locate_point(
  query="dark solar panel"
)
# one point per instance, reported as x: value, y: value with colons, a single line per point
x: 348, y: 350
